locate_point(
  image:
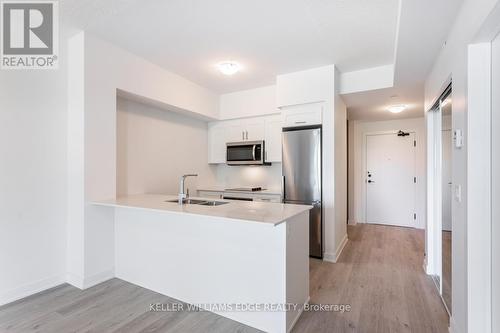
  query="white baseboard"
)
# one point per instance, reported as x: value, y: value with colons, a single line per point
x: 30, y: 289
x: 333, y: 257
x: 298, y: 315
x: 44, y: 284
x: 352, y: 222
x: 424, y: 266
x: 95, y: 279
x: 453, y: 327
x: 74, y: 280
x: 89, y: 281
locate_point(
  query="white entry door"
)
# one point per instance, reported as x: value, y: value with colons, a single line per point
x: 446, y: 178
x: 390, y: 182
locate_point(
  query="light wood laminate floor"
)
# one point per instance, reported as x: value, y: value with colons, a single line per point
x: 446, y: 253
x: 379, y: 274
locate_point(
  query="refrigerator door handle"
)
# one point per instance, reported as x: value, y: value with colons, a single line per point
x: 283, y: 187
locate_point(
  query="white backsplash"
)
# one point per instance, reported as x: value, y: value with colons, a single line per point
x: 268, y: 177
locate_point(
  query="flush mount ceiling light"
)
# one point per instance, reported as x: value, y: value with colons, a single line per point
x: 396, y: 108
x: 228, y: 67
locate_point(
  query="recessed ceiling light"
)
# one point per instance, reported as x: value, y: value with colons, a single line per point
x: 396, y: 108
x: 228, y: 67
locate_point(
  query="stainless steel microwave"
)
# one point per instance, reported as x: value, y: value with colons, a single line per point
x: 246, y: 153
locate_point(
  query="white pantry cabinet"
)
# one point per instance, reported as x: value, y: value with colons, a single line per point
x: 267, y: 128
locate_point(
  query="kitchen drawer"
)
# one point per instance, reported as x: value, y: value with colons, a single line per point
x: 268, y: 198
x: 210, y: 194
x: 302, y: 115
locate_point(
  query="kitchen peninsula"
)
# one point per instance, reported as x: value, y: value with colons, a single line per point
x: 224, y: 253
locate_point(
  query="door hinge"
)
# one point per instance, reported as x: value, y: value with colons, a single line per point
x: 414, y: 143
x: 415, y: 180
x: 414, y: 216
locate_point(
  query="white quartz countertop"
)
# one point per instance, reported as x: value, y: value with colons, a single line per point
x: 251, y: 211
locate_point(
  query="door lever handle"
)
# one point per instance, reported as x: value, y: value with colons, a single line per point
x: 371, y: 181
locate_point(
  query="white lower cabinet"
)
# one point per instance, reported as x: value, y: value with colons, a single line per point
x: 267, y: 128
x: 262, y: 197
x: 267, y: 198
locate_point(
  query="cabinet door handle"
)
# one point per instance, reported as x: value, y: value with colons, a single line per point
x: 246, y: 134
x: 300, y: 122
x: 243, y: 135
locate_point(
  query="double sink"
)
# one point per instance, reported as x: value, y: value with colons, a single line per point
x: 199, y: 202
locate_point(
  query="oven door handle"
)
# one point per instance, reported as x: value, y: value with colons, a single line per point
x: 253, y: 152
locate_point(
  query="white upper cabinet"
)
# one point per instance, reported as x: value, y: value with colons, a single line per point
x: 235, y: 131
x: 216, y: 143
x: 302, y: 115
x: 254, y: 129
x: 274, y: 126
x: 266, y: 128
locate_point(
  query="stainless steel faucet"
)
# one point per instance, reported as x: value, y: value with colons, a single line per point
x: 182, y: 193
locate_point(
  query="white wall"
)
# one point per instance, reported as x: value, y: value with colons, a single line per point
x: 357, y: 131
x: 340, y: 133
x: 367, y: 79
x: 155, y: 147
x: 495, y: 185
x: 268, y: 177
x: 105, y: 68
x: 248, y: 103
x: 452, y: 62
x: 32, y: 179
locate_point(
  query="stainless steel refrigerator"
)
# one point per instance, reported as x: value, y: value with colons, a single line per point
x: 301, y: 166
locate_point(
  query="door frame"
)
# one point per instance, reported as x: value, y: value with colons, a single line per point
x: 477, y: 198
x: 364, y: 154
x: 480, y: 290
x: 479, y: 179
x: 446, y: 129
x: 433, y: 261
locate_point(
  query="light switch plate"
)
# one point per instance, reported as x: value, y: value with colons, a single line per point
x: 458, y: 193
x: 458, y: 138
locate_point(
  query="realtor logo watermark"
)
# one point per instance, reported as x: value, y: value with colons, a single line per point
x: 29, y: 34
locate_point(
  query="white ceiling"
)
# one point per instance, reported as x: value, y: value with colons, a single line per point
x: 189, y: 37
x: 424, y: 26
x: 268, y: 37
